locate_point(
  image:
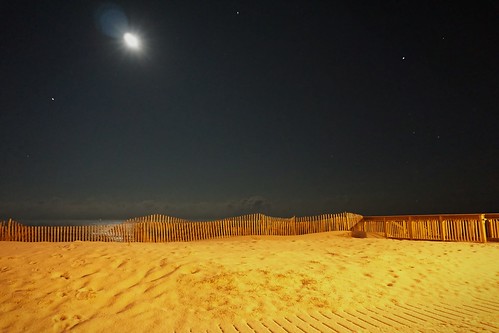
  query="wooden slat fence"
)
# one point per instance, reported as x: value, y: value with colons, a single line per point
x: 14, y: 231
x: 161, y: 228
x: 492, y: 226
x: 457, y: 227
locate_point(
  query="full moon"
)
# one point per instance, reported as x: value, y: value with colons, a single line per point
x: 131, y: 40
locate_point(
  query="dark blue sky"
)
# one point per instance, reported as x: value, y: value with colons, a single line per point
x: 231, y: 107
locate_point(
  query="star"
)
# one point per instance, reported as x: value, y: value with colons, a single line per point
x: 53, y: 98
x: 403, y: 58
x: 237, y: 13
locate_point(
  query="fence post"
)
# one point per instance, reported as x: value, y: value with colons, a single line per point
x: 483, y: 230
x: 443, y: 229
x: 9, y: 231
x: 409, y: 226
x: 385, y: 227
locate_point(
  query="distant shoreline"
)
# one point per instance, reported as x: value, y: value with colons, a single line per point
x: 69, y: 222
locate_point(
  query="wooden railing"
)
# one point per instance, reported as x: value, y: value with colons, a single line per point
x: 492, y: 226
x: 161, y: 228
x: 457, y: 227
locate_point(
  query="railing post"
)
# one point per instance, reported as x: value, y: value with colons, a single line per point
x: 443, y: 229
x: 385, y: 227
x: 483, y: 230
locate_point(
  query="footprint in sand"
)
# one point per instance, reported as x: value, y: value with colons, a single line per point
x: 63, y: 322
x: 64, y: 275
x: 308, y: 283
x: 21, y: 294
x: 60, y: 318
x: 163, y: 262
x: 68, y: 247
x: 78, y: 263
x: 84, y: 293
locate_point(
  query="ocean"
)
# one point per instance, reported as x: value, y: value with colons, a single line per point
x: 63, y: 222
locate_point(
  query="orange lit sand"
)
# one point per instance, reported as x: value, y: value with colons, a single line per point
x: 260, y: 280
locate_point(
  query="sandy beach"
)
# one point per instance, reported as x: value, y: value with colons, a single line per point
x: 325, y: 282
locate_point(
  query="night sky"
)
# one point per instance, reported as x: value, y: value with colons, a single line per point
x: 233, y: 107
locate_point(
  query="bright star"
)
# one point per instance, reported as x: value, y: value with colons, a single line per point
x: 131, y: 41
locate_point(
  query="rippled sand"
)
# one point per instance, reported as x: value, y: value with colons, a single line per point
x: 161, y: 287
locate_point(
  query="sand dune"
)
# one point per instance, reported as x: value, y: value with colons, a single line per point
x: 249, y: 284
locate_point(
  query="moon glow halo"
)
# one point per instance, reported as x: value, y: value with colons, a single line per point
x: 131, y: 41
